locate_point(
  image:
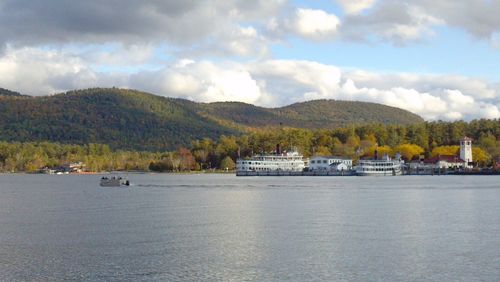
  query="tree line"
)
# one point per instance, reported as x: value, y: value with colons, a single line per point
x: 427, y: 139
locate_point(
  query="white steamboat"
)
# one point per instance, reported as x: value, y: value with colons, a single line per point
x: 266, y: 164
x: 384, y: 166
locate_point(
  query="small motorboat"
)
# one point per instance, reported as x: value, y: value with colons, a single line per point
x: 113, y: 181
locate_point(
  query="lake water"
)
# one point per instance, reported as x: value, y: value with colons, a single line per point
x: 224, y: 228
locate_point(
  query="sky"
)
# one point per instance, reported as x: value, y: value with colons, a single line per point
x: 439, y: 59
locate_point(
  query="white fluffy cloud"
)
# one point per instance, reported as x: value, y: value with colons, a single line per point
x: 39, y: 72
x: 354, y: 7
x: 309, y: 24
x: 201, y: 81
x: 287, y: 81
x: 315, y: 24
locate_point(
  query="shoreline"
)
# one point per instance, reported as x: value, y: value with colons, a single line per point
x: 122, y: 172
x: 272, y: 174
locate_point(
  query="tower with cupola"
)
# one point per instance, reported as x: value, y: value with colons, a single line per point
x: 466, y: 151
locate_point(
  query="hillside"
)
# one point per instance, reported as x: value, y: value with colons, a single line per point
x: 325, y: 114
x: 129, y: 119
x: 6, y: 92
x: 123, y: 119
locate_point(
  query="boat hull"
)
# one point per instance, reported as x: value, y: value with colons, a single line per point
x: 379, y: 173
x: 294, y: 173
x: 113, y: 182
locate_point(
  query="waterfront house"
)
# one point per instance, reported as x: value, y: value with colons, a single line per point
x: 445, y: 162
x: 76, y: 167
x: 331, y: 163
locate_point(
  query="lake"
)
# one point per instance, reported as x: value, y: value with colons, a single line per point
x: 219, y: 227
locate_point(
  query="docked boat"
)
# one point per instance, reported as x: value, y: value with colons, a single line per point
x: 384, y: 166
x: 113, y: 182
x: 271, y: 164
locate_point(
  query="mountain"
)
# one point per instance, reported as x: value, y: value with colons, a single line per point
x: 124, y: 119
x: 129, y: 119
x: 327, y: 114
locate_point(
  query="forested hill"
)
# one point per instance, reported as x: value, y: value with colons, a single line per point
x: 123, y: 119
x: 326, y: 114
x: 6, y: 92
x: 129, y: 119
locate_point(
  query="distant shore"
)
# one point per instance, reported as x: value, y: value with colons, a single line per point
x: 127, y: 172
x: 281, y: 174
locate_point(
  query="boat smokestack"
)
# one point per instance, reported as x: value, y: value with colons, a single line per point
x: 278, y: 149
x: 376, y: 154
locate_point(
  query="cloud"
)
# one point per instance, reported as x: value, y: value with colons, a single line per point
x: 95, y: 21
x: 286, y: 81
x: 281, y: 82
x: 177, y: 23
x: 240, y: 41
x: 354, y: 7
x: 202, y: 25
x: 394, y: 21
x: 309, y: 24
x: 478, y: 18
x: 116, y: 55
x: 402, y: 22
x: 315, y: 24
x: 202, y: 81
x: 40, y: 72
x: 431, y: 96
x: 425, y: 82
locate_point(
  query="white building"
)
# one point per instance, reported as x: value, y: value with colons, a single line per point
x: 466, y: 151
x: 329, y: 164
x: 444, y: 161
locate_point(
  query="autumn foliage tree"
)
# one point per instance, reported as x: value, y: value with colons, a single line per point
x: 408, y: 151
x: 227, y: 164
x: 430, y: 139
x: 480, y: 156
x: 186, y: 159
x: 381, y: 151
x: 451, y: 150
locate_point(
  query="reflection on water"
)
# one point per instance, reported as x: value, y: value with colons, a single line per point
x: 220, y: 227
